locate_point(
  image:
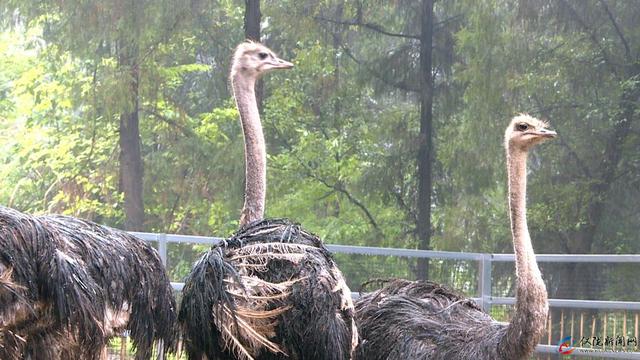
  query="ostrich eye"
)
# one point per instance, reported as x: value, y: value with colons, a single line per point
x: 522, y: 127
x: 263, y: 55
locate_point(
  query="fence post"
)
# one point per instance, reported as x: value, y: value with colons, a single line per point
x: 162, y: 248
x: 484, y: 284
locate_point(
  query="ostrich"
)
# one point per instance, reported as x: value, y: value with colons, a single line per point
x: 68, y: 285
x: 424, y: 320
x: 272, y: 290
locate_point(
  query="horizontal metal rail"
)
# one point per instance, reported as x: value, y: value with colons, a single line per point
x: 174, y: 238
x: 485, y: 297
x: 557, y: 303
x: 577, y: 304
x: 594, y: 353
x: 344, y: 249
x: 574, y: 258
x: 368, y: 250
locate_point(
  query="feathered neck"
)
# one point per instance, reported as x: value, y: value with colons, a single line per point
x: 254, y: 148
x: 528, y: 322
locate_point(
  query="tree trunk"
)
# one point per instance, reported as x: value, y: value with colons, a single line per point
x: 131, y: 169
x: 425, y: 149
x: 252, y: 17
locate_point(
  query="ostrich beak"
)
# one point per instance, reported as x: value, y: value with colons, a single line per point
x: 543, y: 133
x: 546, y: 133
x: 278, y: 63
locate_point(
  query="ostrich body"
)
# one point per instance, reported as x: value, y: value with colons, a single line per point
x: 68, y: 285
x: 270, y: 291
x: 424, y: 320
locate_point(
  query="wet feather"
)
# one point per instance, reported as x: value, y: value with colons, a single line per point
x: 271, y: 291
x: 67, y: 285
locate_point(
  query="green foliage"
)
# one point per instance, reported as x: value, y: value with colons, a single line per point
x: 341, y: 127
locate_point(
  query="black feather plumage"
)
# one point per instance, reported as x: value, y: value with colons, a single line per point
x: 271, y: 291
x: 424, y: 320
x: 68, y: 285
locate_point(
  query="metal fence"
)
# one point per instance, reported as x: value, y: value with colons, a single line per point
x: 614, y: 320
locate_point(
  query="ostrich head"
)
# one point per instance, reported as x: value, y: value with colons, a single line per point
x: 526, y: 131
x: 253, y: 60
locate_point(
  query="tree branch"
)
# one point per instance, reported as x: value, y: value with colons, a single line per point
x: 337, y: 186
x: 341, y: 189
x: 627, y: 49
x: 592, y: 36
x: 441, y: 24
x: 581, y: 164
x: 402, y: 84
x: 576, y: 158
x: 371, y: 26
x: 185, y: 130
x: 403, y: 205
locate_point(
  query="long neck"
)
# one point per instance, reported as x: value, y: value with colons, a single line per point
x: 528, y: 322
x: 255, y: 153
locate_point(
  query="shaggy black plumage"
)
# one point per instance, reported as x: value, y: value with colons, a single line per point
x: 271, y: 291
x: 424, y: 320
x: 67, y: 285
